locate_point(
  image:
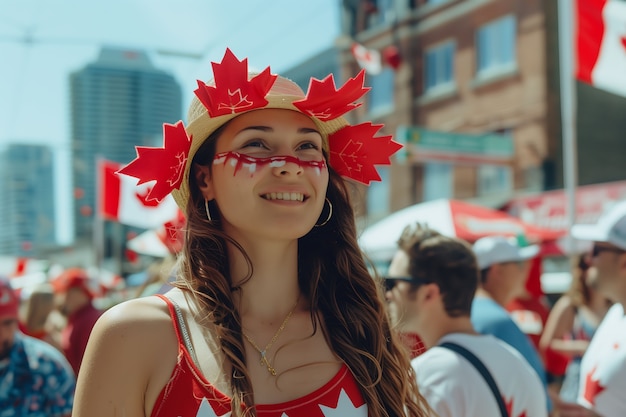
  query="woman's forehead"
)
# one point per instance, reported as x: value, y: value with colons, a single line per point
x: 270, y: 118
x: 267, y: 120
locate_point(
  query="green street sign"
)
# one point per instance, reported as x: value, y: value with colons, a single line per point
x: 451, y: 146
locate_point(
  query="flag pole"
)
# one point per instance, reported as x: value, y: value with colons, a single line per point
x: 568, y: 113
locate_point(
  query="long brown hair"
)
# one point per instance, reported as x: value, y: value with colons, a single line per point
x: 334, y: 277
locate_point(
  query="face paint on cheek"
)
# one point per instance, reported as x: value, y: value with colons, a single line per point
x: 253, y: 164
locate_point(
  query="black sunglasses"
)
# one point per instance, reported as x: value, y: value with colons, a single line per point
x: 597, y: 250
x: 390, y: 282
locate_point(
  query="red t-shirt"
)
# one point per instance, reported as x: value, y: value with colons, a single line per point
x: 189, y: 394
x: 75, y: 335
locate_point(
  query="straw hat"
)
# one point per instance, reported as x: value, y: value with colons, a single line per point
x: 354, y: 150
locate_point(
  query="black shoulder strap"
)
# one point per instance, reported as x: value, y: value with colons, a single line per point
x: 483, y: 371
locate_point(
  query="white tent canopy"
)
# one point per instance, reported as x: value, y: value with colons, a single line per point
x: 451, y: 218
x: 148, y: 243
x: 379, y: 241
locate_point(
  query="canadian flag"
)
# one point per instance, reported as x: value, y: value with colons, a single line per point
x: 164, y: 241
x: 123, y: 201
x: 368, y: 59
x: 601, y: 44
x: 13, y: 266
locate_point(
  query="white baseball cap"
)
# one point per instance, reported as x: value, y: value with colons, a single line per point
x: 610, y: 227
x: 500, y: 249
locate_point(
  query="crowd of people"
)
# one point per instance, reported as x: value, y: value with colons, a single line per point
x: 43, y: 338
x: 274, y: 310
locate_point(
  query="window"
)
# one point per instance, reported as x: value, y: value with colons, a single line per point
x: 439, y: 67
x: 496, y: 47
x: 437, y: 180
x: 494, y: 179
x: 378, y: 195
x: 381, y: 98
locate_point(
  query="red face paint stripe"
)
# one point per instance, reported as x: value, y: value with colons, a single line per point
x: 242, y: 160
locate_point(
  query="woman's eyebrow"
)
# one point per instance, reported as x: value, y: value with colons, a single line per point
x: 308, y: 130
x: 261, y: 128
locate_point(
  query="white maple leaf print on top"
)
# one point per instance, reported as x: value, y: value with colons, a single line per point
x: 205, y: 410
x: 344, y: 408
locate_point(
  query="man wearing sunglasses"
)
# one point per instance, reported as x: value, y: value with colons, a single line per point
x: 430, y: 287
x: 602, y: 388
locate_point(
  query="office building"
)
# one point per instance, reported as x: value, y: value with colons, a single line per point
x: 117, y: 102
x: 27, y: 209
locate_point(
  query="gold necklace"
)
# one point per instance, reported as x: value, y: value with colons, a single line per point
x: 263, y: 352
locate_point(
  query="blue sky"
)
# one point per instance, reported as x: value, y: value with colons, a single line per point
x: 65, y: 35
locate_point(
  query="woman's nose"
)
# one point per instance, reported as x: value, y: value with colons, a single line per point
x: 288, y: 166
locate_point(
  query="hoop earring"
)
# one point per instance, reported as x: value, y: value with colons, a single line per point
x: 206, y: 208
x: 330, y: 213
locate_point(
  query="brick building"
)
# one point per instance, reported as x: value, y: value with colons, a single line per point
x: 475, y: 96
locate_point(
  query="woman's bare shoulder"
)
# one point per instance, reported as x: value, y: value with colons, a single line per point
x: 137, y: 311
x: 138, y: 322
x: 131, y: 352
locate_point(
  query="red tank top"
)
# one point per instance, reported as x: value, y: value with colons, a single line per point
x: 189, y: 394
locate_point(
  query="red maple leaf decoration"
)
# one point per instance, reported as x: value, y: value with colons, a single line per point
x: 233, y: 93
x: 144, y: 200
x: 509, y: 408
x: 164, y: 165
x: 324, y: 102
x: 592, y: 387
x: 354, y: 151
x: 173, y: 234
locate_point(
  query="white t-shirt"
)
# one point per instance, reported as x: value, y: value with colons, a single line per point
x: 454, y: 387
x: 603, y: 368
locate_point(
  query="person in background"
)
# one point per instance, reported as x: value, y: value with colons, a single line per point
x: 504, y: 268
x: 40, y: 318
x: 572, y: 322
x: 274, y: 311
x: 35, y: 378
x: 75, y: 293
x: 530, y: 310
x: 603, y: 366
x: 431, y: 283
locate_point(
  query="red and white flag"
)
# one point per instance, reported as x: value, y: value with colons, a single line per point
x: 164, y: 241
x: 601, y: 44
x: 15, y: 266
x: 123, y: 201
x: 368, y: 59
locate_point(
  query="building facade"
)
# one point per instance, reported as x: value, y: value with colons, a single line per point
x: 472, y: 89
x: 27, y: 208
x: 117, y: 102
x: 318, y: 66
